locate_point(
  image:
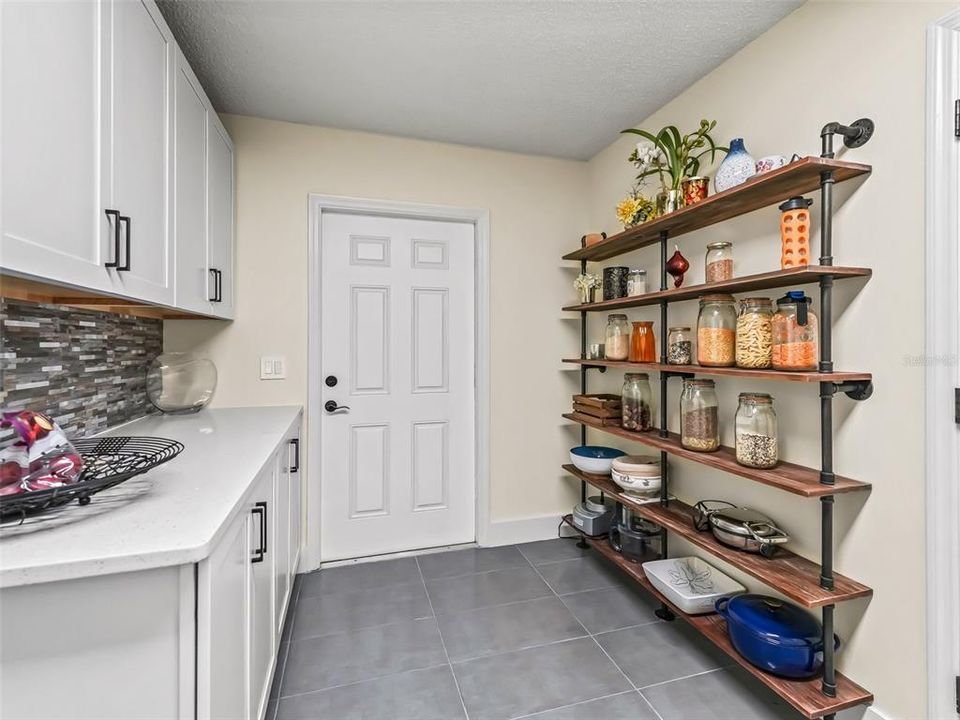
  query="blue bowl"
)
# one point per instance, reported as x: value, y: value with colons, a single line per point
x: 594, y: 459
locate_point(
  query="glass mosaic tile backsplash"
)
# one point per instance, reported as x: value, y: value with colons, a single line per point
x: 86, y: 369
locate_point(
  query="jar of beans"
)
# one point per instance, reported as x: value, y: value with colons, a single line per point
x: 795, y: 342
x: 699, y: 416
x: 716, y: 330
x: 756, y: 431
x: 617, y: 337
x: 754, y: 330
x: 680, y: 346
x: 636, y: 399
x: 719, y: 262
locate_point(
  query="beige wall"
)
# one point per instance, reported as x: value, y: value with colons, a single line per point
x: 537, y: 207
x: 833, y: 61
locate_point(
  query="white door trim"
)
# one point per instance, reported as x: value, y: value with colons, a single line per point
x: 942, y: 350
x: 480, y: 219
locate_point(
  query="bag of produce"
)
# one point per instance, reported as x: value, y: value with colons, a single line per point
x: 40, y: 459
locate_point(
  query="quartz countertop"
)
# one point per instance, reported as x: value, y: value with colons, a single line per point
x: 171, y: 515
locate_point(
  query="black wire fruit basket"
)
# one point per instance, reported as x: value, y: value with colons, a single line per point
x: 107, y: 462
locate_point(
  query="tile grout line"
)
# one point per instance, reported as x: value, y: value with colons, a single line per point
x: 291, y: 619
x: 576, y: 704
x: 685, y: 677
x: 365, y: 680
x: 443, y: 644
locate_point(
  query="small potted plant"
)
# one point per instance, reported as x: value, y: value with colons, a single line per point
x: 586, y: 284
x: 675, y: 158
x: 635, y: 209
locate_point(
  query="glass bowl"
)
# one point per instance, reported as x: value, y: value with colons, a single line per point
x: 181, y: 382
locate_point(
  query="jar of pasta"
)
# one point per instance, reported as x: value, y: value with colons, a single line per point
x: 617, y: 337
x: 680, y: 346
x: 716, y: 330
x: 754, y: 333
x: 718, y: 264
x: 699, y: 415
x: 636, y: 399
x: 795, y: 334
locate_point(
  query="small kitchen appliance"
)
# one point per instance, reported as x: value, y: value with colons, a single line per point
x: 592, y: 517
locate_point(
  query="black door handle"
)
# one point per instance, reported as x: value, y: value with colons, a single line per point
x: 261, y: 510
x: 216, y: 286
x: 116, y: 238
x: 126, y: 264
x: 331, y: 406
x: 296, y: 455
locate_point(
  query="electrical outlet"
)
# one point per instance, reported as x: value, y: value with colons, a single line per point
x: 273, y: 368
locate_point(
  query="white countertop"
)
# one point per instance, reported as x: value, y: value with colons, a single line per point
x: 171, y: 515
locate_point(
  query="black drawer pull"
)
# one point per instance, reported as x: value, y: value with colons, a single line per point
x: 126, y: 264
x: 116, y: 238
x: 296, y: 455
x: 261, y: 510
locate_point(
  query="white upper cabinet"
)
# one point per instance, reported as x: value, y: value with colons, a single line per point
x: 51, y: 87
x: 117, y: 174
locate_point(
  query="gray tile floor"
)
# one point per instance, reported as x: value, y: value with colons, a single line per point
x: 542, y: 630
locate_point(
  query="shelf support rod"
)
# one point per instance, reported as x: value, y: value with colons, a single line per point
x: 583, y: 389
x: 663, y: 612
x: 828, y: 685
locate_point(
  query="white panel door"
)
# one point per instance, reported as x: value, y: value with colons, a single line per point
x: 398, y: 335
x: 221, y: 195
x: 263, y: 636
x: 142, y: 70
x: 53, y: 225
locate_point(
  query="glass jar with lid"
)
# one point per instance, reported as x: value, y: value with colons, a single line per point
x: 699, y: 416
x: 756, y: 431
x: 754, y: 333
x: 637, y: 282
x: 680, y: 346
x: 617, y: 337
x: 719, y: 262
x: 794, y: 331
x: 716, y: 330
x: 636, y: 399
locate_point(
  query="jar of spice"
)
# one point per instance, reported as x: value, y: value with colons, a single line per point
x: 756, y: 431
x: 699, y: 416
x: 794, y: 334
x: 617, y: 337
x: 680, y: 346
x: 716, y: 331
x: 637, y: 282
x: 719, y: 262
x: 643, y: 346
x: 754, y: 337
x: 615, y: 282
x: 637, y: 402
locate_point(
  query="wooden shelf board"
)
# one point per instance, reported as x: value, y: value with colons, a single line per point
x: 794, y: 576
x: 746, y: 283
x: 804, y: 695
x: 803, y: 377
x: 786, y: 476
x: 770, y: 188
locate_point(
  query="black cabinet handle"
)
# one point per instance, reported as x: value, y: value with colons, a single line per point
x: 126, y: 264
x: 116, y: 238
x: 217, y: 285
x: 296, y: 455
x: 213, y: 271
x: 260, y: 509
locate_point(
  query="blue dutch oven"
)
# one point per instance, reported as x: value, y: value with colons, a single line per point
x: 774, y: 635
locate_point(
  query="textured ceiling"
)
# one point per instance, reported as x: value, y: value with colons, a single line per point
x: 557, y: 77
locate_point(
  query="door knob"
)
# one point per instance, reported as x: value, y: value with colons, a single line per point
x: 331, y: 406
x: 331, y: 380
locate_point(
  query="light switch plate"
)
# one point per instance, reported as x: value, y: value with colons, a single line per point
x: 273, y: 367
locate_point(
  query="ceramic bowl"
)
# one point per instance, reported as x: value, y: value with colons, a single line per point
x: 770, y: 162
x: 637, y: 485
x: 594, y: 459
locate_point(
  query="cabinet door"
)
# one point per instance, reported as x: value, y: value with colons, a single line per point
x: 223, y: 624
x: 53, y: 225
x: 263, y: 635
x: 193, y: 289
x: 142, y: 61
x: 296, y: 500
x: 281, y: 538
x: 220, y: 190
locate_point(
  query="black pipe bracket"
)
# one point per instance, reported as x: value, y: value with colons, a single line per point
x: 853, y: 389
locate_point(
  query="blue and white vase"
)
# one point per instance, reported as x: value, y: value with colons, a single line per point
x: 736, y: 167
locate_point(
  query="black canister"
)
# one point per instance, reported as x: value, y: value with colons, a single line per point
x: 615, y: 282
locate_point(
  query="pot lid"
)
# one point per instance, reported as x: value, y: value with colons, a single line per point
x: 734, y: 520
x: 775, y: 621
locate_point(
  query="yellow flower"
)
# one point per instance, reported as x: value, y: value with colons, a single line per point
x: 627, y: 210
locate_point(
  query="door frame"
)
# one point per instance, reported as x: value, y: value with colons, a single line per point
x: 942, y: 350
x: 480, y: 219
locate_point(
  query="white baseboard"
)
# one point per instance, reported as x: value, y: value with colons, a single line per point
x: 872, y: 713
x: 521, y: 530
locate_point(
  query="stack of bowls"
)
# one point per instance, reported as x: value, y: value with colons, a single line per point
x: 638, y: 475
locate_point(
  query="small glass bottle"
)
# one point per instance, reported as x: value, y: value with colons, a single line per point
x: 716, y: 331
x: 617, y: 338
x: 643, y: 347
x: 719, y: 262
x: 756, y: 431
x: 680, y: 346
x: 754, y: 337
x: 699, y: 416
x: 636, y: 399
x: 795, y: 341
x: 637, y: 282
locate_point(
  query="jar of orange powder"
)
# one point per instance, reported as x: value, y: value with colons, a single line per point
x: 794, y: 329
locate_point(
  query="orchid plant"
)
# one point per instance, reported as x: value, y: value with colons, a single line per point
x: 668, y: 154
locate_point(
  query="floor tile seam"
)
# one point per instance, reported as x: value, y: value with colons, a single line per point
x: 570, y: 705
x: 378, y: 588
x: 443, y: 644
x: 363, y: 680
x: 361, y: 628
x: 684, y: 677
x: 519, y: 649
x: 547, y: 562
x: 650, y: 704
x: 477, y: 572
x: 549, y: 596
